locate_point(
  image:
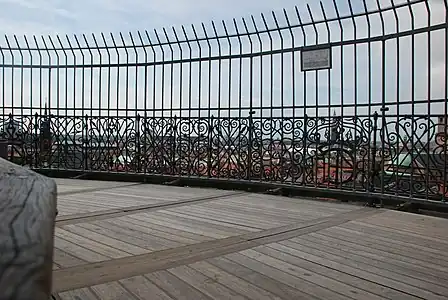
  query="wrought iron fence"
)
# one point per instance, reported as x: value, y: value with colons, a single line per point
x: 349, y: 96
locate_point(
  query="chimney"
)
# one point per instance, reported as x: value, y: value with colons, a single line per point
x: 442, y: 132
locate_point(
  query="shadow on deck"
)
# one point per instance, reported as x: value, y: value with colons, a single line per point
x: 119, y: 240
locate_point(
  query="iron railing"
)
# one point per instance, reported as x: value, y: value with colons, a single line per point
x: 348, y: 97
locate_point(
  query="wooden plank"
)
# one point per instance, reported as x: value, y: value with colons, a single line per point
x: 311, y: 205
x: 259, y: 280
x: 217, y: 215
x: 432, y: 254
x: 258, y: 211
x: 184, y: 226
x: 285, y: 278
x: 117, y: 269
x: 144, y: 289
x: 368, y: 271
x: 220, y: 227
x: 131, y: 238
x: 220, y: 222
x: 261, y: 219
x: 233, y: 216
x: 71, y: 190
x: 234, y: 283
x: 66, y: 260
x: 123, y: 210
x: 175, y: 287
x: 417, y: 257
x: 312, y: 245
x: 205, y: 285
x: 78, y: 251
x: 80, y: 294
x: 112, y: 270
x: 27, y: 215
x: 286, y: 264
x: 105, y: 250
x: 170, y: 233
x: 420, y: 225
x: 286, y: 232
x: 112, y: 291
x: 417, y: 239
x: 112, y: 240
x: 377, y: 254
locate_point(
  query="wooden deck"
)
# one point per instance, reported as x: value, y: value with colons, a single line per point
x: 133, y: 241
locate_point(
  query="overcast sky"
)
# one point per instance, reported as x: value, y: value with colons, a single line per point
x: 60, y: 17
x: 85, y: 16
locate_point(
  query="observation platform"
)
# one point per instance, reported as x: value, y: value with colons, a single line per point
x: 116, y: 240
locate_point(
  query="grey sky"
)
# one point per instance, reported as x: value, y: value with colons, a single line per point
x: 77, y: 17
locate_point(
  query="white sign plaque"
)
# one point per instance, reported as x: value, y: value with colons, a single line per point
x: 316, y: 59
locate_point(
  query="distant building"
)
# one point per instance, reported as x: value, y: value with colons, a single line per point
x: 442, y: 130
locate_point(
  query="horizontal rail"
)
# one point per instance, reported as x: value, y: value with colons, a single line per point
x: 380, y: 38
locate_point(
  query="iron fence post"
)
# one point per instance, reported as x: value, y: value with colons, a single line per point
x: 373, y: 168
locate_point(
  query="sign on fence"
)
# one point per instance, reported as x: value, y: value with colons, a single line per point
x: 316, y: 59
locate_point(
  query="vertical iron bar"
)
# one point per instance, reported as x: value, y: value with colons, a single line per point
x: 271, y: 96
x: 427, y: 151
x: 240, y: 95
x: 445, y: 118
x: 197, y: 161
x: 89, y: 48
x: 413, y: 117
x: 153, y: 143
x: 108, y: 118
x: 169, y: 123
x: 89, y: 137
x: 373, y: 168
x: 340, y: 137
x: 226, y: 141
x: 47, y: 151
x: 305, y: 114
x: 117, y: 138
x: 398, y: 106
x: 384, y: 109
x: 219, y: 155
x: 356, y: 118
x: 100, y: 81
x: 3, y: 83
x: 12, y: 112
x: 21, y: 89
x: 316, y: 73
x: 84, y: 116
x: 65, y: 115
x: 369, y: 90
x: 34, y: 151
x: 210, y: 120
x: 251, y: 112
x: 127, y: 121
x: 326, y: 167
x: 282, y: 100
x: 145, y: 107
x: 260, y: 142
x: 136, y: 152
x: 57, y: 98
x: 162, y: 92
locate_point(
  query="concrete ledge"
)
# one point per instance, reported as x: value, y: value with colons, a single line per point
x: 254, y: 186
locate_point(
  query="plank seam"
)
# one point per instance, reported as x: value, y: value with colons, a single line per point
x: 118, y: 212
x: 113, y: 270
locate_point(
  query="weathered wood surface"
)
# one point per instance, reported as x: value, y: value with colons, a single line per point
x: 247, y: 246
x: 27, y: 218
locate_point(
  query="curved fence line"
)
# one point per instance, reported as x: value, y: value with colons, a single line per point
x: 269, y: 28
x: 346, y: 98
